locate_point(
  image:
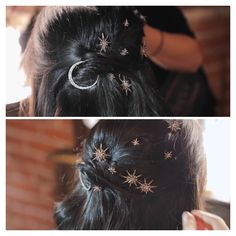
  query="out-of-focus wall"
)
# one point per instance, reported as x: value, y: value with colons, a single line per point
x: 30, y: 174
x: 212, y: 28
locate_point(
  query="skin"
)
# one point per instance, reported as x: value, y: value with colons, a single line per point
x: 178, y: 52
x: 214, y: 221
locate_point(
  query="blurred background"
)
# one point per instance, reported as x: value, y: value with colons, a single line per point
x: 40, y: 158
x: 211, y: 25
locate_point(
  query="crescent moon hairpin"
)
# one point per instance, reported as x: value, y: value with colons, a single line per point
x: 70, y: 77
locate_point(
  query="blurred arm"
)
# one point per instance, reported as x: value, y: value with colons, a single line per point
x: 172, y: 51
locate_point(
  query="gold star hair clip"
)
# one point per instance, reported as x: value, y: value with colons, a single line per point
x: 100, y: 154
x: 97, y: 188
x: 146, y: 187
x: 126, y: 23
x: 112, y: 170
x: 174, y: 126
x: 135, y: 142
x: 125, y: 85
x: 131, y: 179
x: 136, y: 12
x: 168, y: 155
x: 110, y: 76
x: 124, y: 52
x: 103, y: 43
x: 143, y: 18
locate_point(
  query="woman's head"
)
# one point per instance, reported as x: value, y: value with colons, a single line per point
x: 136, y: 174
x: 108, y: 43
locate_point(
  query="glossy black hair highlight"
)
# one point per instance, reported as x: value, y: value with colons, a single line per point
x: 179, y: 181
x: 63, y: 36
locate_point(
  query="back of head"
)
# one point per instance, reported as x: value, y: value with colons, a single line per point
x: 136, y: 174
x: 108, y: 43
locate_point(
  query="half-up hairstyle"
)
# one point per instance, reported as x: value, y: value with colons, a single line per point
x: 136, y: 174
x: 109, y: 42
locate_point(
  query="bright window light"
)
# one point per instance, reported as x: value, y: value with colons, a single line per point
x: 16, y: 89
x: 217, y: 148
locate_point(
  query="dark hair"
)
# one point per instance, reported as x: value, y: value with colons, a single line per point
x: 63, y: 36
x: 103, y: 199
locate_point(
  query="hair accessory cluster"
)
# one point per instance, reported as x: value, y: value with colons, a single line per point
x: 103, y: 48
x: 131, y: 177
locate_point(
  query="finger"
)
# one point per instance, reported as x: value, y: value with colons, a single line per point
x: 201, y: 224
x: 215, y: 221
x: 188, y: 221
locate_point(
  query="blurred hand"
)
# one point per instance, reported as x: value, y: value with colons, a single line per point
x: 172, y: 51
x: 200, y: 220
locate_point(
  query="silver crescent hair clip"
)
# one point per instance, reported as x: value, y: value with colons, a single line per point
x: 70, y: 77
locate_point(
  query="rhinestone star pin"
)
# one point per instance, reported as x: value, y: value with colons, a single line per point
x: 174, y: 126
x: 146, y: 187
x: 103, y: 43
x: 131, y: 178
x: 126, y: 23
x: 100, y: 154
x: 168, y: 155
x: 136, y: 11
x: 97, y: 189
x: 110, y: 76
x: 135, y: 142
x: 125, y: 85
x: 124, y: 52
x: 143, y: 18
x: 112, y: 170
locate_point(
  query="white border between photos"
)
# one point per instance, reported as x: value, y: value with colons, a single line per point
x: 232, y: 119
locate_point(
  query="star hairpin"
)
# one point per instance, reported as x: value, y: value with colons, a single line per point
x: 100, y: 154
x: 125, y: 85
x: 136, y: 12
x: 168, y: 155
x: 143, y: 18
x: 131, y: 178
x: 135, y: 142
x: 124, y: 52
x: 110, y: 76
x: 174, y: 126
x: 97, y: 189
x: 112, y: 170
x: 126, y: 23
x: 146, y: 187
x: 103, y: 43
